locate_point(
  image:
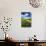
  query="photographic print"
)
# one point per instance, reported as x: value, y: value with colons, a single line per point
x: 26, y: 19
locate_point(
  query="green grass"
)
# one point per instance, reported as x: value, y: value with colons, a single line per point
x: 26, y: 22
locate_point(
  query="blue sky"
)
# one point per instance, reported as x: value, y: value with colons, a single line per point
x: 26, y: 15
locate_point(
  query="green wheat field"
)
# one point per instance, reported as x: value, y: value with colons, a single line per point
x: 26, y: 22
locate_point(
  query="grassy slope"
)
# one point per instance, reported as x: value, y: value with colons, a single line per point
x: 26, y: 22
